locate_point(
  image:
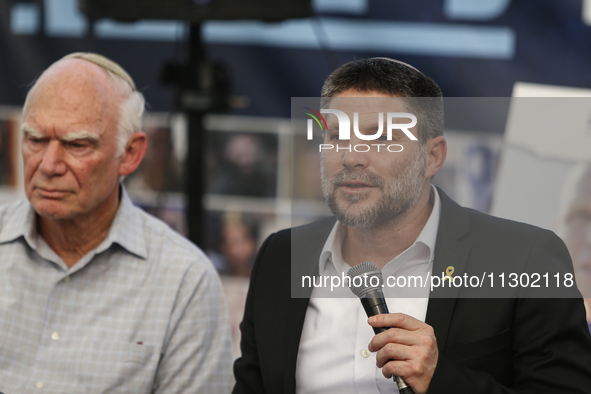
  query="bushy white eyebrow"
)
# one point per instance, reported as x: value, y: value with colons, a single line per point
x: 31, y: 132
x: 69, y: 137
x: 80, y: 135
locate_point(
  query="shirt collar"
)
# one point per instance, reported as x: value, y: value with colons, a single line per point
x: 331, y: 252
x: 126, y: 230
x: 428, y: 235
x: 18, y: 220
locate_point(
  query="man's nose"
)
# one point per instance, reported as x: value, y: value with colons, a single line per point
x: 52, y: 163
x: 357, y: 154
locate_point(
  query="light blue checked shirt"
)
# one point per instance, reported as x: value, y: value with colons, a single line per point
x: 142, y: 313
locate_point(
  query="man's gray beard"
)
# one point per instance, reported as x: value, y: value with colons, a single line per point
x: 398, y: 194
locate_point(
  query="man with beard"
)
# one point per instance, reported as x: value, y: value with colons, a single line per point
x: 297, y: 340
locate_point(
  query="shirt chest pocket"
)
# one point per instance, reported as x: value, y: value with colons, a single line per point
x: 117, y: 367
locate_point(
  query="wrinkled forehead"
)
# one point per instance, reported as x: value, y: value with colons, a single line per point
x: 75, y: 84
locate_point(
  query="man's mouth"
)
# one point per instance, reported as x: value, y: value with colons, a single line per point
x: 351, y: 181
x: 51, y: 193
x: 355, y: 185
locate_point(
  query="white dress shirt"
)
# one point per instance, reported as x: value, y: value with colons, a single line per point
x: 333, y: 355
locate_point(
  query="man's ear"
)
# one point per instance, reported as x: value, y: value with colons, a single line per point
x: 436, y: 151
x: 134, y: 153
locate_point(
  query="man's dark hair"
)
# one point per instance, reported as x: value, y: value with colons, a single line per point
x: 394, y: 78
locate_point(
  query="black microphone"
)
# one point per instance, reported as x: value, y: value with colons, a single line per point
x: 366, y: 282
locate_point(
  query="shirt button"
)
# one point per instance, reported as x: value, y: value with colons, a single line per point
x: 365, y: 353
x: 55, y: 336
x: 39, y: 385
x: 66, y: 279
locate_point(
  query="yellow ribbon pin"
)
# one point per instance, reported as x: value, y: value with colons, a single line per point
x: 448, y: 273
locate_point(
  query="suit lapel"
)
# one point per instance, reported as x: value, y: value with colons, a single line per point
x: 450, y: 251
x: 311, y: 241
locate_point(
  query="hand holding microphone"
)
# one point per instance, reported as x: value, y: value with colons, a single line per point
x: 406, y: 346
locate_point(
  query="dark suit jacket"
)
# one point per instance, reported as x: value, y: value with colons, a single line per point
x: 499, y: 345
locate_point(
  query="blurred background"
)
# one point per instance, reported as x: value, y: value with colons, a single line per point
x: 223, y: 166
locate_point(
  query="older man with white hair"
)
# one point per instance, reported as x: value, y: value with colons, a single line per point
x: 98, y: 296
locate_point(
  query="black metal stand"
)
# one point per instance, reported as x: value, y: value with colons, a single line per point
x: 202, y: 88
x: 194, y: 166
